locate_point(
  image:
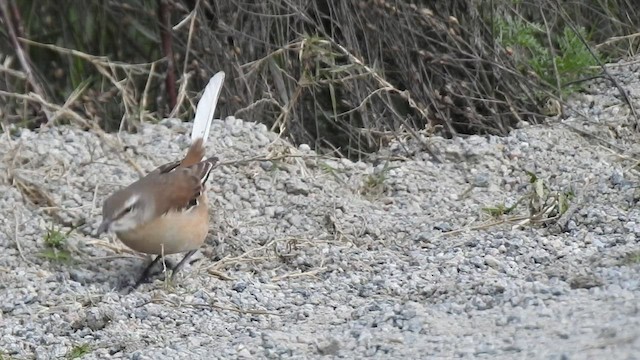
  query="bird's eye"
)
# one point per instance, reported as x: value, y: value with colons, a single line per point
x: 125, y: 211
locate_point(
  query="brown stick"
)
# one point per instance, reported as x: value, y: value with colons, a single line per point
x: 167, y: 50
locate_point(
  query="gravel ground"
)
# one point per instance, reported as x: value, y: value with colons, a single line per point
x: 311, y: 256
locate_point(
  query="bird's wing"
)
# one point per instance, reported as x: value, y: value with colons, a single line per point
x: 186, y: 184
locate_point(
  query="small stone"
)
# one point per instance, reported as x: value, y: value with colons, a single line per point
x: 477, y: 261
x: 617, y: 177
x: 295, y: 221
x: 94, y: 319
x: 270, y: 211
x: 243, y: 352
x: 141, y: 313
x: 492, y: 262
x: 330, y: 347
x: 239, y: 286
x: 304, y: 148
x: 266, y: 165
x: 481, y: 180
x: 584, y: 282
x: 296, y: 187
x: 267, y: 341
x: 171, y: 123
x: 230, y: 121
x: 80, y: 276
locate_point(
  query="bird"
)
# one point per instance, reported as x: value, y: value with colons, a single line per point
x: 166, y: 212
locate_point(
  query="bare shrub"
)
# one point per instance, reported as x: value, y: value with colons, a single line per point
x: 343, y: 76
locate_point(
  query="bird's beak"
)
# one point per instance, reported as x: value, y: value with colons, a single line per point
x: 104, y: 226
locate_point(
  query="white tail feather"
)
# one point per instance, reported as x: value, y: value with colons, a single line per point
x: 206, y: 108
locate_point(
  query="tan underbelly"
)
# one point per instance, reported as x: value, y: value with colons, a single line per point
x: 169, y: 234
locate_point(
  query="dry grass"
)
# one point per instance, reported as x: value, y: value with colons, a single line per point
x: 345, y: 77
x: 544, y: 206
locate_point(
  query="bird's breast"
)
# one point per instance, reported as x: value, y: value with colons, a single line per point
x: 173, y: 232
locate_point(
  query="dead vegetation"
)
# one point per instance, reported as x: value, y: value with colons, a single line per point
x: 346, y: 77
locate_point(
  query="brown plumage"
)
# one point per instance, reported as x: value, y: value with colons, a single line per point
x: 165, y: 212
x: 186, y: 179
x: 195, y: 154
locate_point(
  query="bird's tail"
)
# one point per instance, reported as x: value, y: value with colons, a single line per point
x: 206, y: 108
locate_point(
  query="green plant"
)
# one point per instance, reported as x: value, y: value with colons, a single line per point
x: 499, y: 210
x: 374, y: 183
x: 631, y: 258
x: 78, y: 351
x: 328, y: 169
x: 55, y: 241
x: 62, y: 256
x: 570, y: 60
x: 545, y: 203
x: 575, y: 60
x: 54, y: 238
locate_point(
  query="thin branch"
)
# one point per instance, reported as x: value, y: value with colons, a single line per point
x: 167, y: 50
x: 13, y: 30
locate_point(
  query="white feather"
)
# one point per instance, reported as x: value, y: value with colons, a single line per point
x: 206, y: 108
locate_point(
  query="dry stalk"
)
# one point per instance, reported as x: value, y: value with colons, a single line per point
x: 270, y: 158
x: 166, y: 39
x: 108, y: 69
x: 22, y: 56
x: 179, y: 304
x: 182, y: 95
x: 313, y: 273
x: 16, y: 236
x: 32, y: 192
x: 220, y: 275
x: 182, y: 92
x: 247, y: 256
x: 15, y: 73
x: 118, y: 249
x: 32, y: 97
x: 144, y: 103
x: 404, y: 94
x: 613, y: 39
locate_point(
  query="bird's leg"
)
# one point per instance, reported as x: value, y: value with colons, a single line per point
x: 181, y: 263
x: 146, y: 271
